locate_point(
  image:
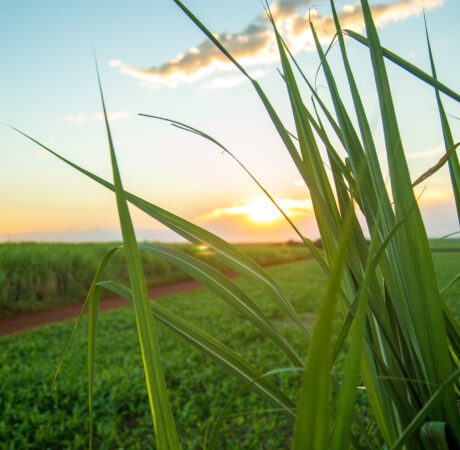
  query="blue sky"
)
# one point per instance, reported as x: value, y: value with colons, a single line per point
x: 49, y: 90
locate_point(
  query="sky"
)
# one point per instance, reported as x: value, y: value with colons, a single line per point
x: 154, y: 60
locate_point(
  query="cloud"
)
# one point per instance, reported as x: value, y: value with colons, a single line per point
x: 255, y: 44
x: 439, y: 150
x: 75, y: 118
x: 81, y: 118
x: 262, y: 210
x: 113, y: 117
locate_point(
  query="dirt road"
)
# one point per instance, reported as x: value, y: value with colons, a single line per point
x: 31, y: 320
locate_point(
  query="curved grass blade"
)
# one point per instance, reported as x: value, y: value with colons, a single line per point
x: 218, y: 352
x: 227, y: 291
x: 306, y: 174
x: 163, y: 421
x: 411, y: 68
x: 190, y: 129
x: 94, y: 298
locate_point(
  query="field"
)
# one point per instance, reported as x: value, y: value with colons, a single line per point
x: 38, y: 276
x: 36, y: 415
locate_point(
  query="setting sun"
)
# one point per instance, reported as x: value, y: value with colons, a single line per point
x: 262, y: 210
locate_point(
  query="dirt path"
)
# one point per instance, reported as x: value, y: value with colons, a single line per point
x: 31, y: 320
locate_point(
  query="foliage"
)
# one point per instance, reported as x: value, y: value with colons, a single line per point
x: 36, y: 276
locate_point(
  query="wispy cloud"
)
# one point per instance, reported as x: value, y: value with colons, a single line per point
x: 81, y: 118
x: 75, y: 118
x: 438, y: 151
x: 262, y: 210
x: 255, y: 44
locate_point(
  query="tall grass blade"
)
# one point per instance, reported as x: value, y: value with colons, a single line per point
x: 438, y: 435
x: 165, y: 428
x: 94, y: 296
x: 313, y: 416
x: 454, y: 166
x: 414, y: 70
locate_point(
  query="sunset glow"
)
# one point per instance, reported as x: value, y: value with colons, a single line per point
x: 262, y: 210
x: 190, y: 80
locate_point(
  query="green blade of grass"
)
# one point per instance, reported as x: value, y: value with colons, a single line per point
x: 438, y: 435
x: 376, y: 203
x: 313, y: 416
x: 414, y: 70
x: 218, y: 352
x: 447, y: 157
x: 188, y: 128
x: 163, y: 421
x: 454, y: 166
x: 227, y: 291
x: 102, y: 265
x: 94, y: 298
x: 348, y: 391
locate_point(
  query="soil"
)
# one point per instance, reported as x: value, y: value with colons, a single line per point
x: 36, y: 319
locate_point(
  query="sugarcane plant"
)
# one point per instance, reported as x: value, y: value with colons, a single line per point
x: 382, y: 309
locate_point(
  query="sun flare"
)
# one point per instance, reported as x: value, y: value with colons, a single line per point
x: 263, y: 211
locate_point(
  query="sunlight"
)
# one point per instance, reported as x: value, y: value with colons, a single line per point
x: 262, y: 210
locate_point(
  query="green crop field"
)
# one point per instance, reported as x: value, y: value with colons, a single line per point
x: 37, y: 276
x: 36, y: 415
x: 445, y: 245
